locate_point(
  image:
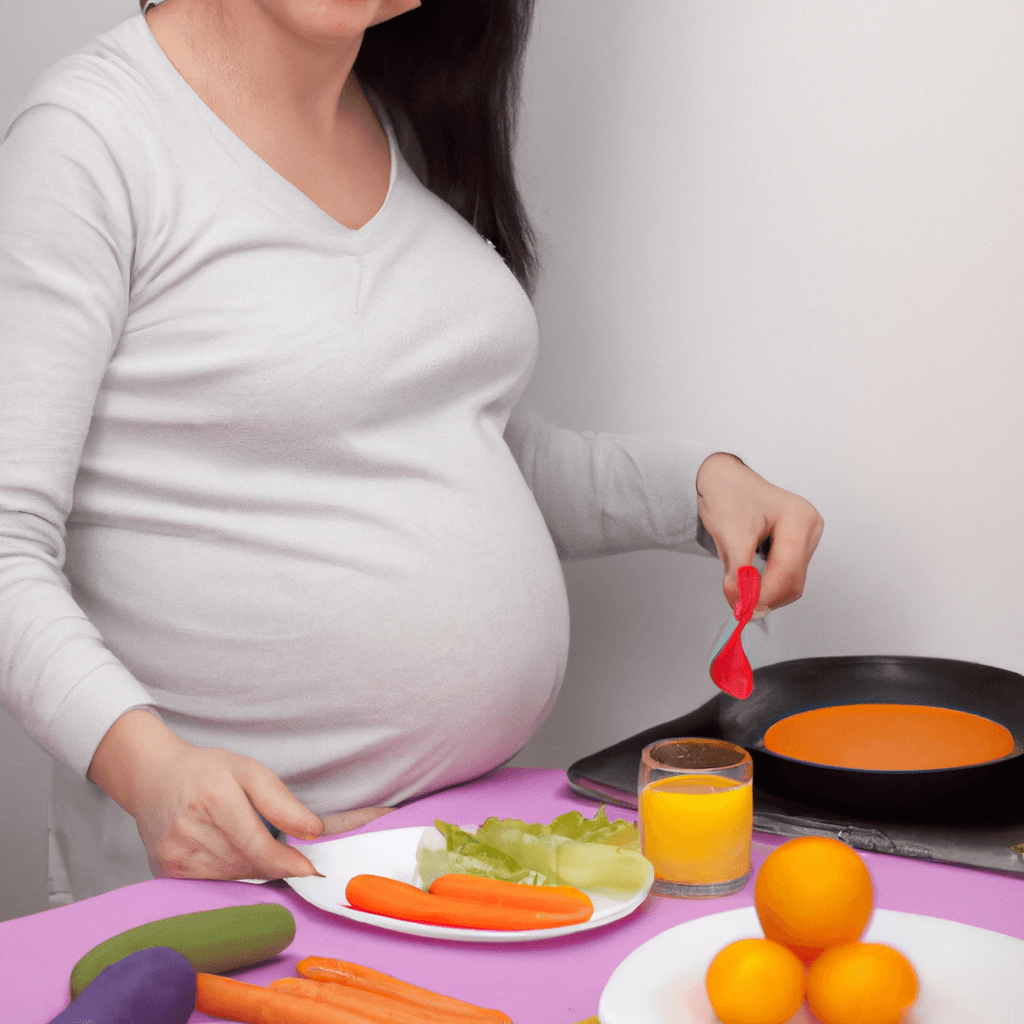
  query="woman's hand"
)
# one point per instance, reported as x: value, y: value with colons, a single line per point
x: 196, y: 807
x: 739, y: 509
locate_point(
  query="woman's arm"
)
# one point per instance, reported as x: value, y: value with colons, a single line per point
x: 65, y: 255
x: 66, y: 248
x: 602, y: 494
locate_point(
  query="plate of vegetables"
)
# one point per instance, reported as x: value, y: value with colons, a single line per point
x: 481, y: 884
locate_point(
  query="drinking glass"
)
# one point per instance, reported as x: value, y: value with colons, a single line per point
x: 696, y: 815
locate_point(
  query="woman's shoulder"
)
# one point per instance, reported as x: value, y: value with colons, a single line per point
x: 110, y: 83
x: 104, y: 128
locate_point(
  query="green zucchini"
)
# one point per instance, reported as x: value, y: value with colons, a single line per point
x: 213, y: 941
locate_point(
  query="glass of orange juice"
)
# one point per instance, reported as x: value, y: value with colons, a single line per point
x: 696, y: 815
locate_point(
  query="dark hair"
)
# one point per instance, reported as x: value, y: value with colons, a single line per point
x: 449, y: 74
x: 452, y: 70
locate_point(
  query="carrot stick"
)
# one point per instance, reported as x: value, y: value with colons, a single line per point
x: 366, y: 979
x: 553, y: 898
x: 391, y: 898
x: 229, y: 999
x: 282, y: 1008
x: 373, y: 1006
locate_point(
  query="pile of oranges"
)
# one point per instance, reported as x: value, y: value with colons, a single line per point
x: 814, y: 899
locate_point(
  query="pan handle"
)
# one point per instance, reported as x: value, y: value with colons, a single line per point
x: 874, y: 840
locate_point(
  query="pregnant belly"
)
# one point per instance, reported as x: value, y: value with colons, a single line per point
x: 344, y: 649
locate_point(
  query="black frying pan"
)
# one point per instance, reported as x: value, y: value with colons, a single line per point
x: 993, y: 791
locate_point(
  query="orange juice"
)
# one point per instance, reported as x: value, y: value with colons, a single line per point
x: 696, y: 828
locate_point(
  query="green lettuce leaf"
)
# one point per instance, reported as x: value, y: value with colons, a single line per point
x: 589, y: 853
x: 598, y: 829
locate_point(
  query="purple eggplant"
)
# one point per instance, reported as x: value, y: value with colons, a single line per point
x: 150, y: 986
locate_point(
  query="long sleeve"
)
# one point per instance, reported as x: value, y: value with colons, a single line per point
x: 603, y: 494
x: 65, y: 253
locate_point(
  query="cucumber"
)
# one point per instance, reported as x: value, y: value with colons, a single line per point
x: 213, y: 941
x: 151, y: 986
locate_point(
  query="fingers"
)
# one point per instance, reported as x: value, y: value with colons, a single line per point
x: 795, y: 537
x: 223, y: 850
x: 730, y: 501
x: 262, y: 855
x: 198, y: 818
x: 734, y: 555
x: 217, y: 834
x: 274, y: 800
x: 741, y: 511
x: 265, y: 792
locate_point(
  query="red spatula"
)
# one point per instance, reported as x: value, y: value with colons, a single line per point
x: 730, y: 670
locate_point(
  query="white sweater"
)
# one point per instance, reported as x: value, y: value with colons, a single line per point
x: 256, y: 468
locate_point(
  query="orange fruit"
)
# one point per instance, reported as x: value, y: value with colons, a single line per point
x: 813, y: 892
x: 755, y: 981
x: 861, y: 983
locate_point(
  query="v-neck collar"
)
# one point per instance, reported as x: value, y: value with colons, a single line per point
x: 257, y: 169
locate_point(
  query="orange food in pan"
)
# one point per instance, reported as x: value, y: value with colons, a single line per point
x: 889, y: 737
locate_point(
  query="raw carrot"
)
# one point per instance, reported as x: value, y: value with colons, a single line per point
x: 229, y: 999
x: 553, y: 898
x: 366, y: 979
x: 391, y: 898
x: 373, y: 1006
x: 282, y: 1008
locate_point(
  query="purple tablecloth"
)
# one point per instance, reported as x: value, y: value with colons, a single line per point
x: 558, y: 981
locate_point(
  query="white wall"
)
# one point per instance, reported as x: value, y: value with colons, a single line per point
x: 794, y: 229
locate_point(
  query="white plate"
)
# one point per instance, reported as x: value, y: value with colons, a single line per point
x: 967, y: 975
x: 392, y: 853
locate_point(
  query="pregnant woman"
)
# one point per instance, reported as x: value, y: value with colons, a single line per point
x: 273, y: 539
